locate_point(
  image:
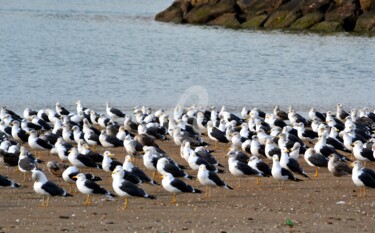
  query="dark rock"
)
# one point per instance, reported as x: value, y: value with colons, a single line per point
x: 367, y: 5
x: 226, y: 20
x: 253, y: 8
x: 326, y: 26
x: 174, y: 13
x: 318, y: 15
x: 366, y: 22
x: 208, y: 12
x: 255, y: 22
x: 285, y: 15
x: 310, y: 6
x: 308, y: 20
x: 345, y: 13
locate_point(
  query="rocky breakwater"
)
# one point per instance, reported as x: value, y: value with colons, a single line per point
x: 316, y: 15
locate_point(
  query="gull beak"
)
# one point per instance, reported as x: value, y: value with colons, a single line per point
x: 351, y: 164
x: 142, y: 152
x: 74, y: 177
x: 113, y: 172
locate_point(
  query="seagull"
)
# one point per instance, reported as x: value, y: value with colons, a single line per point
x: 363, y: 177
x: 109, y: 164
x: 215, y: 134
x: 315, y: 159
x: 80, y: 160
x: 89, y: 187
x: 132, y: 147
x: 305, y: 134
x: 37, y: 143
x: 238, y: 168
x: 164, y: 166
x: 61, y: 110
x: 62, y: 149
x: 195, y: 161
x: 4, y: 182
x: 109, y: 141
x: 271, y: 149
x: 25, y: 163
x: 281, y: 174
x: 338, y: 168
x: 126, y: 188
x: 19, y: 134
x: 57, y: 168
x: 114, y: 112
x: 73, y: 171
x: 257, y: 164
x: 46, y: 188
x: 361, y: 153
x: 209, y: 178
x: 291, y: 164
x: 129, y: 167
x: 174, y: 185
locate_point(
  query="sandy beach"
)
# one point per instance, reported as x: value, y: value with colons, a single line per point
x: 323, y: 204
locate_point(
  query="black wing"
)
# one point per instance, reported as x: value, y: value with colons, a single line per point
x: 286, y: 172
x: 114, y: 164
x: 318, y: 160
x: 174, y: 170
x: 182, y: 186
x: 216, y: 179
x: 219, y: 135
x: 53, y: 189
x: 43, y: 143
x: 114, y: 141
x: 87, y: 161
x: 138, y: 172
x: 95, y: 187
x: 367, y: 179
x: 132, y: 189
x: 246, y: 169
x: 263, y: 167
x: 117, y: 112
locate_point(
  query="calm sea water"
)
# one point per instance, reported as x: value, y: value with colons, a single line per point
x: 113, y: 50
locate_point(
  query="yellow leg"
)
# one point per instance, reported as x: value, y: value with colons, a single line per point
x: 43, y: 200
x: 259, y: 181
x: 153, y: 175
x: 316, y: 171
x: 47, y: 202
x: 88, y: 200
x: 216, y: 145
x: 126, y: 203
x: 174, y: 199
x: 239, y: 183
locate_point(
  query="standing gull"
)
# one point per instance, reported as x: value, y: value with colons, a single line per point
x: 114, y: 112
x: 126, y: 188
x: 46, y: 188
x: 89, y: 187
x: 210, y: 179
x: 363, y: 177
x: 129, y: 167
x: 338, y: 168
x: 257, y: 164
x: 315, y: 159
x: 281, y: 174
x: 174, y: 185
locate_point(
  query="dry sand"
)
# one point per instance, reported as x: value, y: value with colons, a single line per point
x: 323, y: 204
